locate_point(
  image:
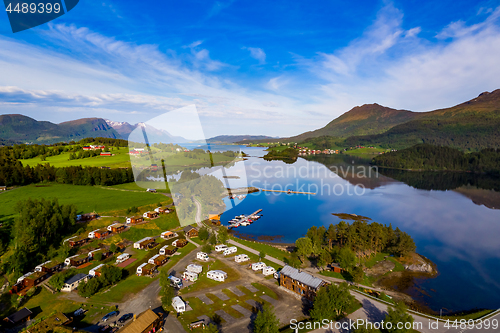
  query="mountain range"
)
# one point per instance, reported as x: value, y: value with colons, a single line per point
x: 472, y: 125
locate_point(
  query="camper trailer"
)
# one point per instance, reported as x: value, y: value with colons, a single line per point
x: 190, y: 276
x: 96, y: 271
x: 175, y: 282
x: 217, y: 275
x: 241, y: 258
x: 168, y: 250
x: 178, y: 304
x: 220, y: 247
x: 202, y: 256
x: 230, y: 250
x: 122, y: 257
x: 194, y: 268
x: 268, y: 270
x: 145, y: 269
x: 158, y: 259
x: 258, y: 266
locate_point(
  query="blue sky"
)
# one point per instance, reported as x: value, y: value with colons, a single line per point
x: 259, y: 67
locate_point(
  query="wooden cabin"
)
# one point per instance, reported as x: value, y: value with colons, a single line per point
x: 135, y: 219
x: 145, y: 243
x: 77, y: 260
x: 151, y: 215
x: 145, y: 269
x: 190, y: 231
x: 101, y: 233
x: 87, y: 217
x: 116, y: 227
x: 19, y: 317
x: 336, y: 268
x: 158, y: 260
x: 147, y: 321
x: 180, y: 243
x: 78, y: 241
x: 50, y: 266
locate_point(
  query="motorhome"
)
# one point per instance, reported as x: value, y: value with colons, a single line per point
x: 220, y: 247
x: 122, y: 257
x: 190, y: 276
x: 217, y: 275
x: 268, y: 270
x: 175, y: 282
x: 230, y: 250
x: 258, y: 266
x: 202, y: 256
x: 194, y: 268
x: 241, y: 258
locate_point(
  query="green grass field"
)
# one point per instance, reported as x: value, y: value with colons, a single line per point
x: 120, y: 160
x: 86, y: 198
x: 365, y: 151
x: 268, y: 249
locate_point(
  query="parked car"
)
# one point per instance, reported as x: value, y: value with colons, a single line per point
x: 110, y: 315
x: 125, y: 317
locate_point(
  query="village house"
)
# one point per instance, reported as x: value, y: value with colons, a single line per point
x: 50, y: 266
x: 116, y: 227
x: 168, y: 250
x: 158, y: 260
x: 73, y: 282
x: 190, y: 231
x: 19, y: 317
x: 77, y: 240
x: 214, y: 218
x: 180, y: 242
x: 150, y: 215
x: 169, y: 235
x: 145, y: 269
x: 134, y: 220
x: 77, y: 260
x: 146, y: 322
x: 145, y: 243
x: 300, y: 282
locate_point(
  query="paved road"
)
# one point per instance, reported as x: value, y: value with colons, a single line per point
x: 246, y: 248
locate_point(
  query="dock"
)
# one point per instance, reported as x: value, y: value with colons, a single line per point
x: 290, y: 192
x: 245, y: 220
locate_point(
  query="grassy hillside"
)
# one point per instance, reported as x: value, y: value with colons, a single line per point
x: 120, y: 159
x: 103, y: 200
x: 20, y: 128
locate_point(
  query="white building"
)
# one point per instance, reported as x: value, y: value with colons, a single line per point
x: 194, y: 268
x: 93, y: 270
x: 73, y: 282
x: 178, y: 304
x: 122, y: 257
x: 202, y: 256
x: 268, y: 270
x: 230, y: 250
x: 217, y: 275
x: 220, y: 247
x: 241, y: 258
x: 258, y: 266
x: 190, y: 276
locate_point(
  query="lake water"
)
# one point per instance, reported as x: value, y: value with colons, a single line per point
x: 450, y: 227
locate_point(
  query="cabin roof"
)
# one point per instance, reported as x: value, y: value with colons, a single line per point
x: 301, y: 277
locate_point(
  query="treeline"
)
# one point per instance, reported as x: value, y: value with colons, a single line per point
x: 25, y: 151
x: 12, y: 172
x: 110, y: 275
x: 344, y: 242
x: 324, y: 142
x: 430, y: 157
x: 37, y: 231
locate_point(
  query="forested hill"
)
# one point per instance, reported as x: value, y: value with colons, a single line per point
x: 429, y: 157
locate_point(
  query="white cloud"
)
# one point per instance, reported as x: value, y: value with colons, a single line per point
x: 258, y: 54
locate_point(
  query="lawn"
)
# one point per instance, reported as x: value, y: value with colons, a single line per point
x: 255, y: 258
x: 268, y: 249
x: 199, y: 308
x: 121, y: 159
x: 141, y: 186
x: 365, y: 151
x: 85, y: 198
x: 203, y: 282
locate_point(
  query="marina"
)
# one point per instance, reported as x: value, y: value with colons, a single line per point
x: 245, y: 220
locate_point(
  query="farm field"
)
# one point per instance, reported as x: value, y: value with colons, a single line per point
x: 120, y: 160
x: 86, y: 198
